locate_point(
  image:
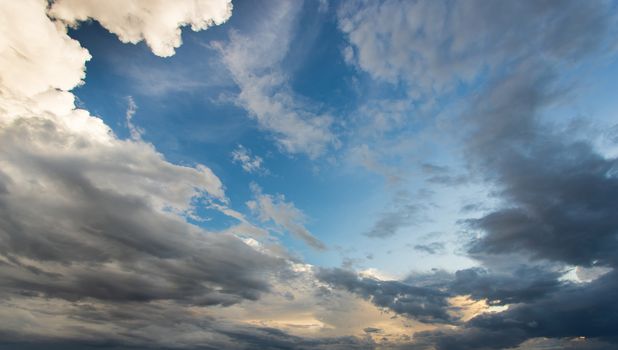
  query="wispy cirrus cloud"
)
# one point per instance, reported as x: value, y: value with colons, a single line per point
x: 255, y: 62
x: 283, y: 214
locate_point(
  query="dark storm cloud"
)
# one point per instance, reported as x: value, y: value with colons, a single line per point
x: 560, y: 198
x: 561, y: 195
x: 77, y: 238
x: 572, y: 311
x: 161, y: 326
x: 424, y: 297
x: 523, y: 284
x: 272, y: 338
x: 559, y: 202
x: 423, y: 304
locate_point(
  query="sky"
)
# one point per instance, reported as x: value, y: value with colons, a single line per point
x: 216, y: 174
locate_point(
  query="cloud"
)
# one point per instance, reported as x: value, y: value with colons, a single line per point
x: 431, y: 248
x: 135, y: 131
x: 583, y: 311
x: 157, y: 325
x: 95, y: 244
x: 87, y: 215
x: 430, y: 46
x: 557, y: 194
x: 283, y: 214
x: 37, y: 57
x: 442, y: 175
x: 404, y: 213
x: 157, y: 22
x: 254, y: 61
x: 419, y: 303
x: 426, y: 297
x: 249, y: 163
x: 518, y: 285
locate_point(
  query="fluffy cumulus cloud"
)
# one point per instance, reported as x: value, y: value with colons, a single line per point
x: 157, y: 22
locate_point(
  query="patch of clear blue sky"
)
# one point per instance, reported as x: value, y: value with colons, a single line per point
x: 185, y: 105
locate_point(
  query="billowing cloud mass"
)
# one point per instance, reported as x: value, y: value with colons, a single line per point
x: 87, y: 215
x: 157, y: 22
x: 465, y: 108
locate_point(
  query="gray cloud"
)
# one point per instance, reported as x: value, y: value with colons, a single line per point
x: 420, y: 303
x: 431, y: 248
x: 572, y: 311
x: 83, y: 238
x: 442, y: 175
x: 390, y: 222
x: 522, y: 284
x: 431, y: 45
x: 283, y: 214
x: 405, y: 211
x: 95, y: 248
x: 162, y: 325
x: 558, y: 196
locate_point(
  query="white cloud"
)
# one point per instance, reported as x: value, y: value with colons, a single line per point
x: 41, y: 63
x: 254, y: 60
x: 158, y: 22
x: 249, y: 163
x: 39, y: 56
x: 135, y: 131
x: 283, y: 214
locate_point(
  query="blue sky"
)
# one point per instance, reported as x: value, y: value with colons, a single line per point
x: 186, y: 108
x: 308, y: 174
